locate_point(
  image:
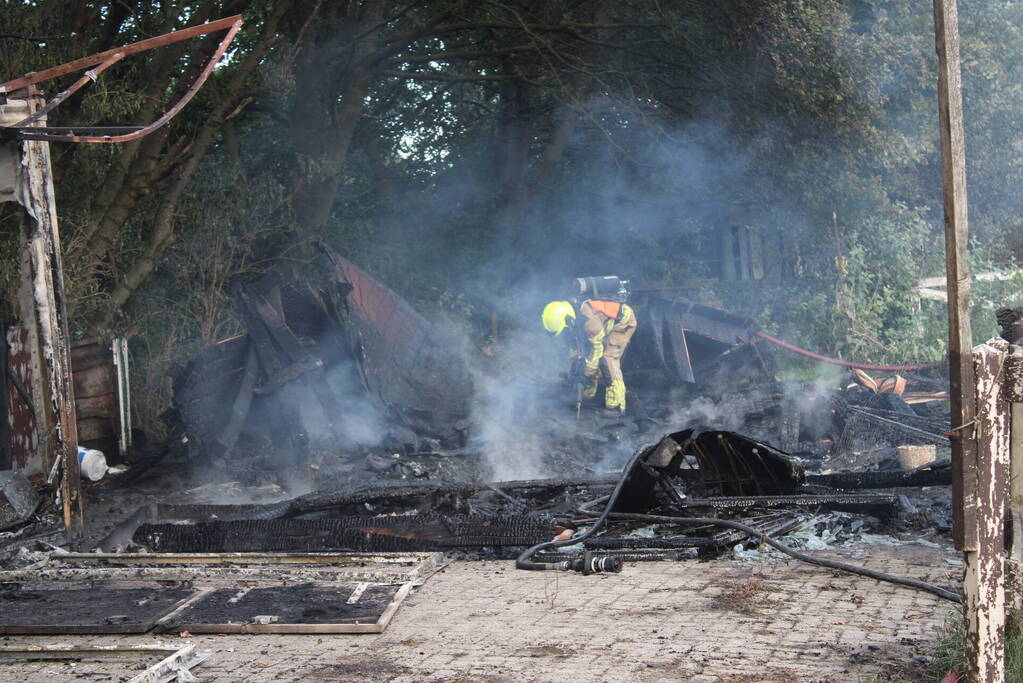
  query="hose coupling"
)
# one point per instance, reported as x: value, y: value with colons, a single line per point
x: 596, y: 564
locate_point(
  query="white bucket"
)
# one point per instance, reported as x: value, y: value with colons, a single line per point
x: 92, y: 463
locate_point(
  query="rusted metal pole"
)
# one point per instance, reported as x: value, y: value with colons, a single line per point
x: 984, y: 585
x: 50, y: 136
x: 100, y: 57
x: 88, y: 76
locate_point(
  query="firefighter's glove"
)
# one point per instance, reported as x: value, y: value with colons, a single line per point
x: 577, y: 370
x: 590, y: 386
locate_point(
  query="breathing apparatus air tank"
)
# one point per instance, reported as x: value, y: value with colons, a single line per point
x: 602, y: 287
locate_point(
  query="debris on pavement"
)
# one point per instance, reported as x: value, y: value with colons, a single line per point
x: 18, y: 499
x: 270, y: 457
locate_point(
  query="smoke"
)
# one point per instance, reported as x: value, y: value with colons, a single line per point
x: 295, y: 425
x: 705, y: 411
x: 360, y: 422
x: 514, y: 422
x: 811, y: 401
x: 509, y: 445
x: 618, y: 219
x: 645, y: 195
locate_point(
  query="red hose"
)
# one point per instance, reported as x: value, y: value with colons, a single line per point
x: 843, y: 363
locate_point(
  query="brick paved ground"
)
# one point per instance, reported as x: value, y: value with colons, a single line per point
x: 677, y: 621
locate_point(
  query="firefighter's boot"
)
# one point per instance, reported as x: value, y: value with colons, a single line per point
x: 614, y: 396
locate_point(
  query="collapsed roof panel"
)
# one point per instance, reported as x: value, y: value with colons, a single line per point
x: 685, y: 339
x: 717, y: 463
x: 420, y: 369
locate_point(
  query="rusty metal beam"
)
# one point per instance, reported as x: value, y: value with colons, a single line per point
x: 47, y: 135
x: 87, y: 77
x: 134, y: 48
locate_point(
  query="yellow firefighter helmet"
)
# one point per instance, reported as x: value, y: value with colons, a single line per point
x: 557, y: 315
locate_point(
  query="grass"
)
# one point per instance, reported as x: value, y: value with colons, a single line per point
x: 745, y: 597
x: 948, y: 654
x: 550, y: 589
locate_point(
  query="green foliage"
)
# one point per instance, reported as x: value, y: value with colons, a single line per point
x: 948, y: 655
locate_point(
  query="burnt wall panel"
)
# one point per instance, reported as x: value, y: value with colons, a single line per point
x: 24, y: 437
x: 97, y: 432
x: 95, y: 386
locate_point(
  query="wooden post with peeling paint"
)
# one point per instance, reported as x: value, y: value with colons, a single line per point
x: 1014, y: 395
x: 980, y: 440
x: 44, y: 280
x: 984, y: 580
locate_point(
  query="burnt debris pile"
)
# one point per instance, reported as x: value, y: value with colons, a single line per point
x: 693, y: 473
x: 346, y: 394
x: 345, y: 368
x: 347, y: 380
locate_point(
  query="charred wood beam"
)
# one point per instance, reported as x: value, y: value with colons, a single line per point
x: 242, y: 403
x: 1011, y: 322
x: 848, y: 500
x: 377, y: 534
x: 938, y: 475
x: 373, y: 493
x: 280, y: 352
x: 269, y: 357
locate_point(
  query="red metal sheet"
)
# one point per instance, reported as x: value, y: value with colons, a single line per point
x: 394, y: 319
x: 419, y: 368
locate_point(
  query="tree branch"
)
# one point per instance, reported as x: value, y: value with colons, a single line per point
x: 438, y: 76
x: 463, y: 54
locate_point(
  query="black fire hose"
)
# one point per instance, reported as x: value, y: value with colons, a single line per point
x: 832, y: 564
x: 588, y: 563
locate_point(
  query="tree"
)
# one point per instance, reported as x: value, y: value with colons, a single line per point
x: 471, y: 152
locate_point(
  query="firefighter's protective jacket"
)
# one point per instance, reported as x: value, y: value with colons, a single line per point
x: 607, y: 326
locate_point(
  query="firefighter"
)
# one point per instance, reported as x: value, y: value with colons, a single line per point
x: 607, y: 326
